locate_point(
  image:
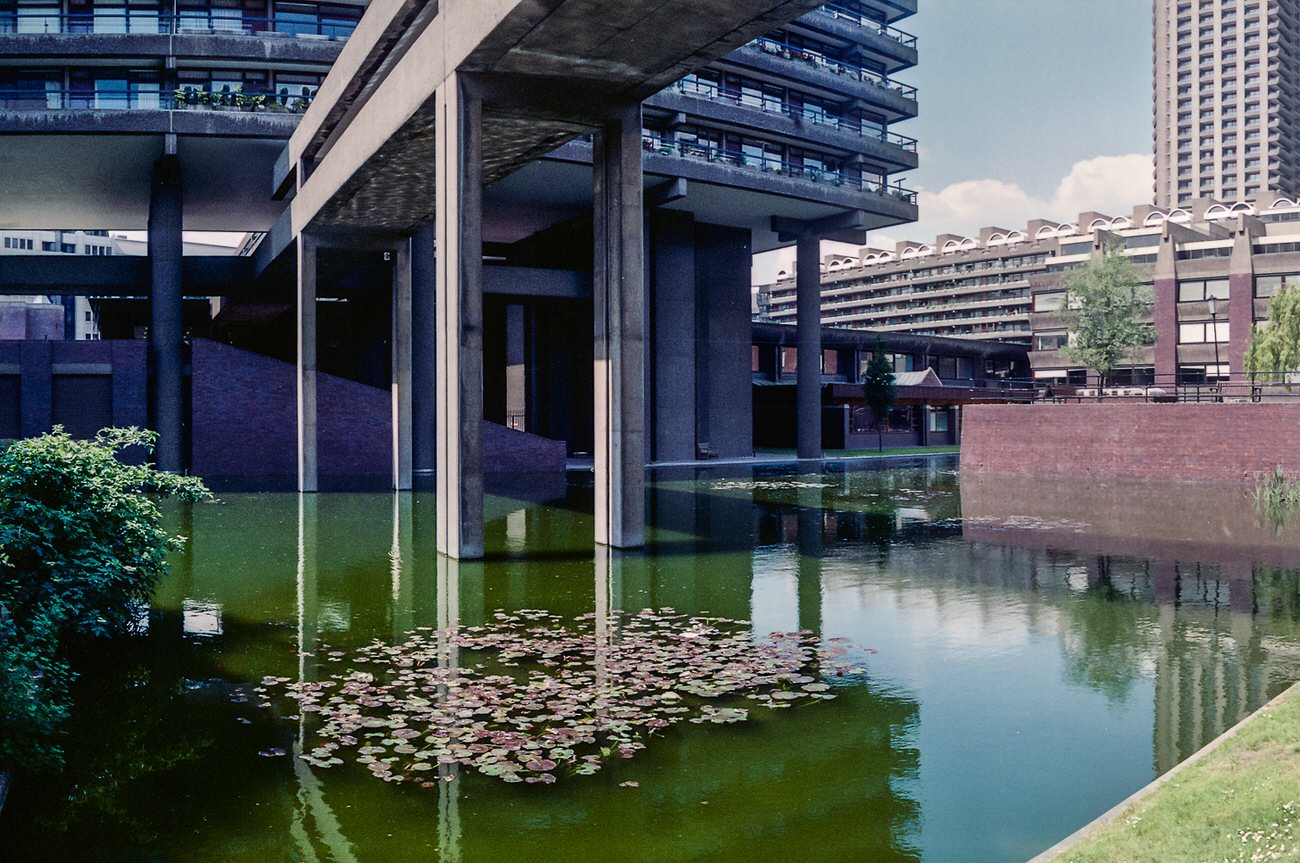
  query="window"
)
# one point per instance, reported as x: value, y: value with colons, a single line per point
x: 1207, y: 374
x: 1267, y: 286
x: 939, y: 419
x: 1050, y: 341
x: 1133, y: 377
x: 1049, y: 302
x: 1202, y: 289
x: 1202, y: 332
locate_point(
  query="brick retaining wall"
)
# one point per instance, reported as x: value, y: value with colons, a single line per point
x: 1132, y: 440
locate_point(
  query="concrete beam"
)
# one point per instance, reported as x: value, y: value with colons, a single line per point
x: 618, y: 287
x: 459, y: 337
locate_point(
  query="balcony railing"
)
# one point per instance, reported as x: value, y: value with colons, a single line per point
x: 775, y: 105
x: 828, y: 64
x: 899, y: 36
x: 185, y: 99
x: 198, y: 21
x: 771, y: 165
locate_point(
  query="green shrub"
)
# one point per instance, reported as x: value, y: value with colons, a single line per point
x: 82, y: 547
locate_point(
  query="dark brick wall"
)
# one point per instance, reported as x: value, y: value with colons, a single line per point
x: 1178, y: 442
x: 245, y: 423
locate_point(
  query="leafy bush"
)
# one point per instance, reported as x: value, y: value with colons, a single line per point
x: 82, y: 547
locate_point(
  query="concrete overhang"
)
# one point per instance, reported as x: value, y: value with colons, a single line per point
x: 368, y: 137
x: 100, y: 180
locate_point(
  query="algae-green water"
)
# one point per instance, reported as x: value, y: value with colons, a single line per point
x: 1022, y: 675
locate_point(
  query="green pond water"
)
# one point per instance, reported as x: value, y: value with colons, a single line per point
x: 1025, y: 670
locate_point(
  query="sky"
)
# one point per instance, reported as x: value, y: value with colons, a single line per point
x: 1028, y: 109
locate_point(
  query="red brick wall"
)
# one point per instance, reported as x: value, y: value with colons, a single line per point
x: 1180, y: 442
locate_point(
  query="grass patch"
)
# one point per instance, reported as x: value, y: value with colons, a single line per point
x: 1240, y: 803
x: 857, y: 453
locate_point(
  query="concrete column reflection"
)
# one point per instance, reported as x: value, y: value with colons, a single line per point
x: 401, y: 567
x: 310, y: 805
x: 811, y: 545
x: 450, y: 573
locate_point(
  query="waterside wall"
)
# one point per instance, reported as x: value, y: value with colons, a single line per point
x: 1226, y: 442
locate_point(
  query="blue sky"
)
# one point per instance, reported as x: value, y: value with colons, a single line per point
x: 1028, y: 108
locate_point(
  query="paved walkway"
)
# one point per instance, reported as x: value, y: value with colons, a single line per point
x: 773, y: 460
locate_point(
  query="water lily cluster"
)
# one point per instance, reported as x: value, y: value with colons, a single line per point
x: 530, y: 696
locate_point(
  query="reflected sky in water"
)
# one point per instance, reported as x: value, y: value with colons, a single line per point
x: 1040, y: 652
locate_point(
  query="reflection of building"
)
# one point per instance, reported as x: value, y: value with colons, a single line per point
x: 1207, y: 677
x: 1226, y: 96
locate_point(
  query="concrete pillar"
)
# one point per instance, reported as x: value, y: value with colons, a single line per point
x: 401, y: 367
x: 459, y: 336
x: 306, y: 377
x: 36, y: 387
x: 1164, y: 312
x: 672, y: 330
x: 808, y: 320
x: 1240, y: 313
x: 166, y: 314
x: 618, y: 297
x: 424, y: 363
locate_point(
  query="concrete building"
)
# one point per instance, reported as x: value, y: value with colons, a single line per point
x: 1212, y: 267
x: 1226, y: 99
x: 935, y: 379
x: 753, y: 125
x: 955, y: 286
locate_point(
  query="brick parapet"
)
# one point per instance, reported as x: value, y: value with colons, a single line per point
x: 1135, y: 440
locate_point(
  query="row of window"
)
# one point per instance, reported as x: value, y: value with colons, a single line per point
x: 1191, y: 290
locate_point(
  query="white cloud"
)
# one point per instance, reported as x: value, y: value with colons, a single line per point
x: 1106, y: 184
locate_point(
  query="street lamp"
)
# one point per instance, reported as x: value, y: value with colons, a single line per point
x: 1214, y: 324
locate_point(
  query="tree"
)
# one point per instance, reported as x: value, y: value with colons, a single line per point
x: 82, y: 547
x: 880, y: 390
x: 1104, y: 306
x: 1275, y: 344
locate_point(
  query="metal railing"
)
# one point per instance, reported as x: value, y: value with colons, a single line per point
x: 198, y: 21
x: 776, y: 105
x: 770, y: 165
x: 899, y: 36
x: 1182, y: 388
x: 820, y: 61
x: 185, y: 99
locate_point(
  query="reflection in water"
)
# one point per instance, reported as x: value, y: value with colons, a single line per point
x: 1042, y: 652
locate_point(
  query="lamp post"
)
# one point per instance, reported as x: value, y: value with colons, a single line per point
x: 1214, y: 324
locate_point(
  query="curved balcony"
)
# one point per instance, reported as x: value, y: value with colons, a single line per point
x: 776, y: 174
x: 897, y: 49
x: 154, y: 24
x: 232, y: 114
x: 837, y: 78
x: 885, y: 151
x: 296, y: 40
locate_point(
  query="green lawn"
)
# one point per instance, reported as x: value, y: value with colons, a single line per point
x: 1241, y: 802
x: 854, y: 453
